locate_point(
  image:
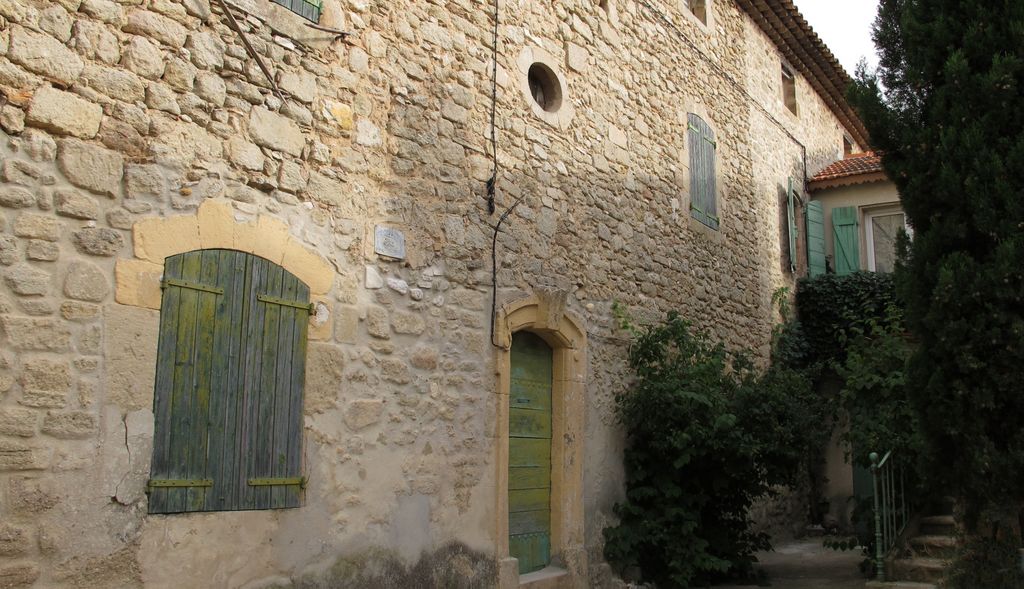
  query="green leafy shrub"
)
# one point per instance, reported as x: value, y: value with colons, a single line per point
x: 988, y: 563
x: 707, y: 435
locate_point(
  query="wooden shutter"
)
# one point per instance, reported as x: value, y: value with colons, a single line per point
x: 791, y: 216
x: 845, y: 235
x: 228, y: 395
x: 703, y: 187
x: 815, y: 218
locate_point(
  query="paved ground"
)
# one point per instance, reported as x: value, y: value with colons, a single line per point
x: 805, y: 564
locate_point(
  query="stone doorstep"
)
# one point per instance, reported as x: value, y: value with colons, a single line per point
x: 898, y: 585
x: 920, y: 569
x: 548, y: 577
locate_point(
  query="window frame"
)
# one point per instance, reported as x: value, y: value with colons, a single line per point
x: 313, y: 6
x: 789, y: 97
x: 869, y: 242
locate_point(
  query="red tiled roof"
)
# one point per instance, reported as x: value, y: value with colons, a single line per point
x: 868, y: 162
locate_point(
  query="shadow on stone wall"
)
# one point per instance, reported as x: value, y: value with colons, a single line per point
x: 453, y: 566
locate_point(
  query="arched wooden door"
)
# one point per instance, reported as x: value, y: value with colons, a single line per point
x: 529, y: 451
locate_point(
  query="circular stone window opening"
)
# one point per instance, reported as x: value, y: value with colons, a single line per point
x: 545, y: 87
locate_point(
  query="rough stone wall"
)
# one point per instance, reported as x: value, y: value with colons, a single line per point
x: 116, y: 113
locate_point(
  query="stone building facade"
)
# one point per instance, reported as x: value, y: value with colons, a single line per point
x: 138, y: 130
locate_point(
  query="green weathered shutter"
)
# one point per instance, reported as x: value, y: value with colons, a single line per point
x: 703, y: 184
x: 224, y: 416
x: 845, y: 234
x: 791, y: 215
x: 529, y: 451
x: 815, y: 217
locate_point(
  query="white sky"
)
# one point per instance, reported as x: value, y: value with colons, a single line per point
x: 845, y: 26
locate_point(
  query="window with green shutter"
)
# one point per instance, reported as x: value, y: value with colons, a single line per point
x: 846, y: 233
x: 815, y: 217
x: 792, y: 230
x: 703, y: 189
x: 229, y: 380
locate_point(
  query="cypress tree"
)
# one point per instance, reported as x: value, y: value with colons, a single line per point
x: 946, y: 106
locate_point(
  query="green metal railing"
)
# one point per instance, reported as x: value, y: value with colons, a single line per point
x: 891, y: 510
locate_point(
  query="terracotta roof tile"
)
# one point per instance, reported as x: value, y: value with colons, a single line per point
x: 868, y: 162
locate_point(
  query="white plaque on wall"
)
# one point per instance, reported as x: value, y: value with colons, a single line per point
x: 390, y: 242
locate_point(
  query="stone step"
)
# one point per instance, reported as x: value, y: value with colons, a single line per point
x: 898, y: 585
x: 940, y: 546
x: 938, y: 525
x: 920, y: 569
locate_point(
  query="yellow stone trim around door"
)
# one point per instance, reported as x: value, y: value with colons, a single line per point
x: 545, y: 316
x: 213, y: 227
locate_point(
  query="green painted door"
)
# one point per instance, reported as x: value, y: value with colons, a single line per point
x: 529, y: 452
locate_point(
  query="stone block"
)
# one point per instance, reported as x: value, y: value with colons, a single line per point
x: 70, y: 425
x: 85, y: 281
x: 324, y: 370
x: 43, y: 374
x: 346, y: 324
x: 42, y: 251
x: 17, y: 455
x: 156, y: 26
x: 14, y: 540
x: 155, y: 239
x: 9, y: 251
x: 291, y: 177
x: 144, y: 57
x: 27, y: 280
x: 308, y: 266
x: 206, y: 49
x: 138, y: 283
x: 424, y: 358
x: 104, y: 10
x: 16, y: 197
x: 368, y: 134
x: 71, y: 203
x: 56, y: 21
x: 274, y: 131
x: 395, y: 370
x: 161, y: 97
x: 211, y: 88
x: 36, y: 226
x: 300, y: 84
x: 36, y: 333
x: 326, y: 190
x: 63, y: 113
x: 12, y: 119
x: 121, y: 137
x: 179, y: 74
x: 30, y: 496
x: 92, y: 40
x: 130, y: 351
x: 115, y: 82
x: 44, y: 55
x: 98, y: 241
x: 407, y: 323
x: 20, y: 172
x: 377, y: 323
x: 145, y: 181
x: 341, y: 114
x: 245, y: 154
x: 183, y: 143
x: 15, y: 421
x: 362, y: 413
x: 78, y: 311
x: 91, y: 167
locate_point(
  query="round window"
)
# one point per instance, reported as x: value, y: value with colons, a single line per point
x: 545, y: 87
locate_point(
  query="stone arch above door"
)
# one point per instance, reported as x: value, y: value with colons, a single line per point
x: 212, y: 227
x: 545, y: 314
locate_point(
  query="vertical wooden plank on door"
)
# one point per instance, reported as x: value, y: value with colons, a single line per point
x: 282, y: 391
x: 252, y: 358
x: 296, y: 395
x: 199, y: 393
x: 234, y: 358
x: 529, y: 489
x: 184, y: 374
x: 166, y: 352
x: 268, y: 382
x: 220, y: 397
